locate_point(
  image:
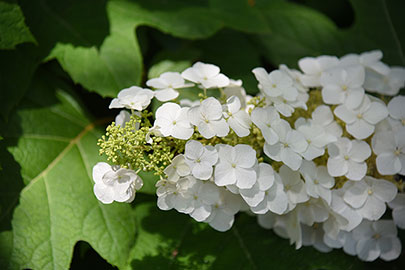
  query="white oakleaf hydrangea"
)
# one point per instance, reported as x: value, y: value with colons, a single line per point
x: 236, y: 166
x: 313, y: 68
x: 398, y: 210
x: 389, y: 146
x: 208, y: 118
x: 200, y: 159
x: 237, y: 118
x: 369, y: 196
x: 385, y: 84
x: 317, y: 181
x: 166, y: 85
x: 369, y: 60
x: 289, y: 148
x: 323, y: 116
x: 360, y: 122
x: 396, y: 111
x: 271, y: 193
x: 178, y: 168
x: 317, y: 140
x: 293, y: 186
x: 207, y: 75
x: 114, y: 183
x: 313, y: 236
x: 347, y: 158
x: 172, y: 120
x: 266, y: 119
x: 343, y: 86
x: 134, y: 98
x: 377, y: 239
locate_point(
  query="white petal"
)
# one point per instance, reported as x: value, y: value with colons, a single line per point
x: 373, y: 208
x: 375, y: 113
x: 356, y: 170
x: 367, y: 250
x: 222, y: 222
x: 360, y: 129
x: 337, y: 166
x: 252, y: 196
x: 166, y: 94
x: 104, y: 193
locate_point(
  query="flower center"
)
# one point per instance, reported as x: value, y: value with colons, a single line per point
x: 174, y: 122
x: 207, y: 121
x: 316, y: 182
x: 370, y: 192
x: 274, y: 85
x: 397, y: 152
x: 344, y: 87
x: 359, y: 116
x: 233, y: 165
x: 287, y: 187
x: 346, y: 157
x: 403, y: 122
x: 285, y: 144
x: 376, y: 236
x: 198, y: 160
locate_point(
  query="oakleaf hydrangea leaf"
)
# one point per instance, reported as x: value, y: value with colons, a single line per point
x: 57, y: 207
x: 13, y: 30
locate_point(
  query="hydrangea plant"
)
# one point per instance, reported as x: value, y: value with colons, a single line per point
x: 314, y: 155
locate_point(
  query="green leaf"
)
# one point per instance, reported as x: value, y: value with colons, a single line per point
x: 13, y: 30
x: 118, y: 62
x: 170, y: 240
x: 298, y: 31
x: 6, y: 247
x: 56, y: 149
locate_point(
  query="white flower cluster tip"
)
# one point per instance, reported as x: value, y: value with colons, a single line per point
x: 323, y: 181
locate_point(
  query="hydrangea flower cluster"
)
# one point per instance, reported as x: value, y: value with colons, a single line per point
x: 317, y: 155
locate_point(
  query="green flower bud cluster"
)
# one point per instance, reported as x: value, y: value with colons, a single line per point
x: 128, y: 147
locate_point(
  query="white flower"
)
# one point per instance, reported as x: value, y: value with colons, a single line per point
x: 316, y: 138
x: 237, y: 118
x: 396, y: 110
x: 172, y: 120
x: 314, y: 67
x: 208, y: 118
x: 122, y: 118
x: 323, y: 116
x: 236, y: 90
x: 265, y: 119
x: 340, y: 208
x: 369, y: 196
x: 200, y: 159
x: 175, y: 194
x: 313, y: 236
x: 312, y: 211
x: 347, y: 158
x: 295, y: 75
x: 206, y: 74
x: 377, y: 239
x: 343, y: 86
x: 289, y: 148
x: 386, y: 84
x: 293, y: 186
x: 360, y: 122
x: 166, y: 85
x: 370, y: 60
x: 272, y: 196
x: 203, y: 196
x: 152, y: 131
x: 389, y: 147
x: 276, y: 84
x: 398, y: 210
x: 134, y: 98
x: 178, y: 168
x: 115, y: 184
x: 236, y: 166
x: 344, y: 239
x: 223, y: 211
x: 317, y: 181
